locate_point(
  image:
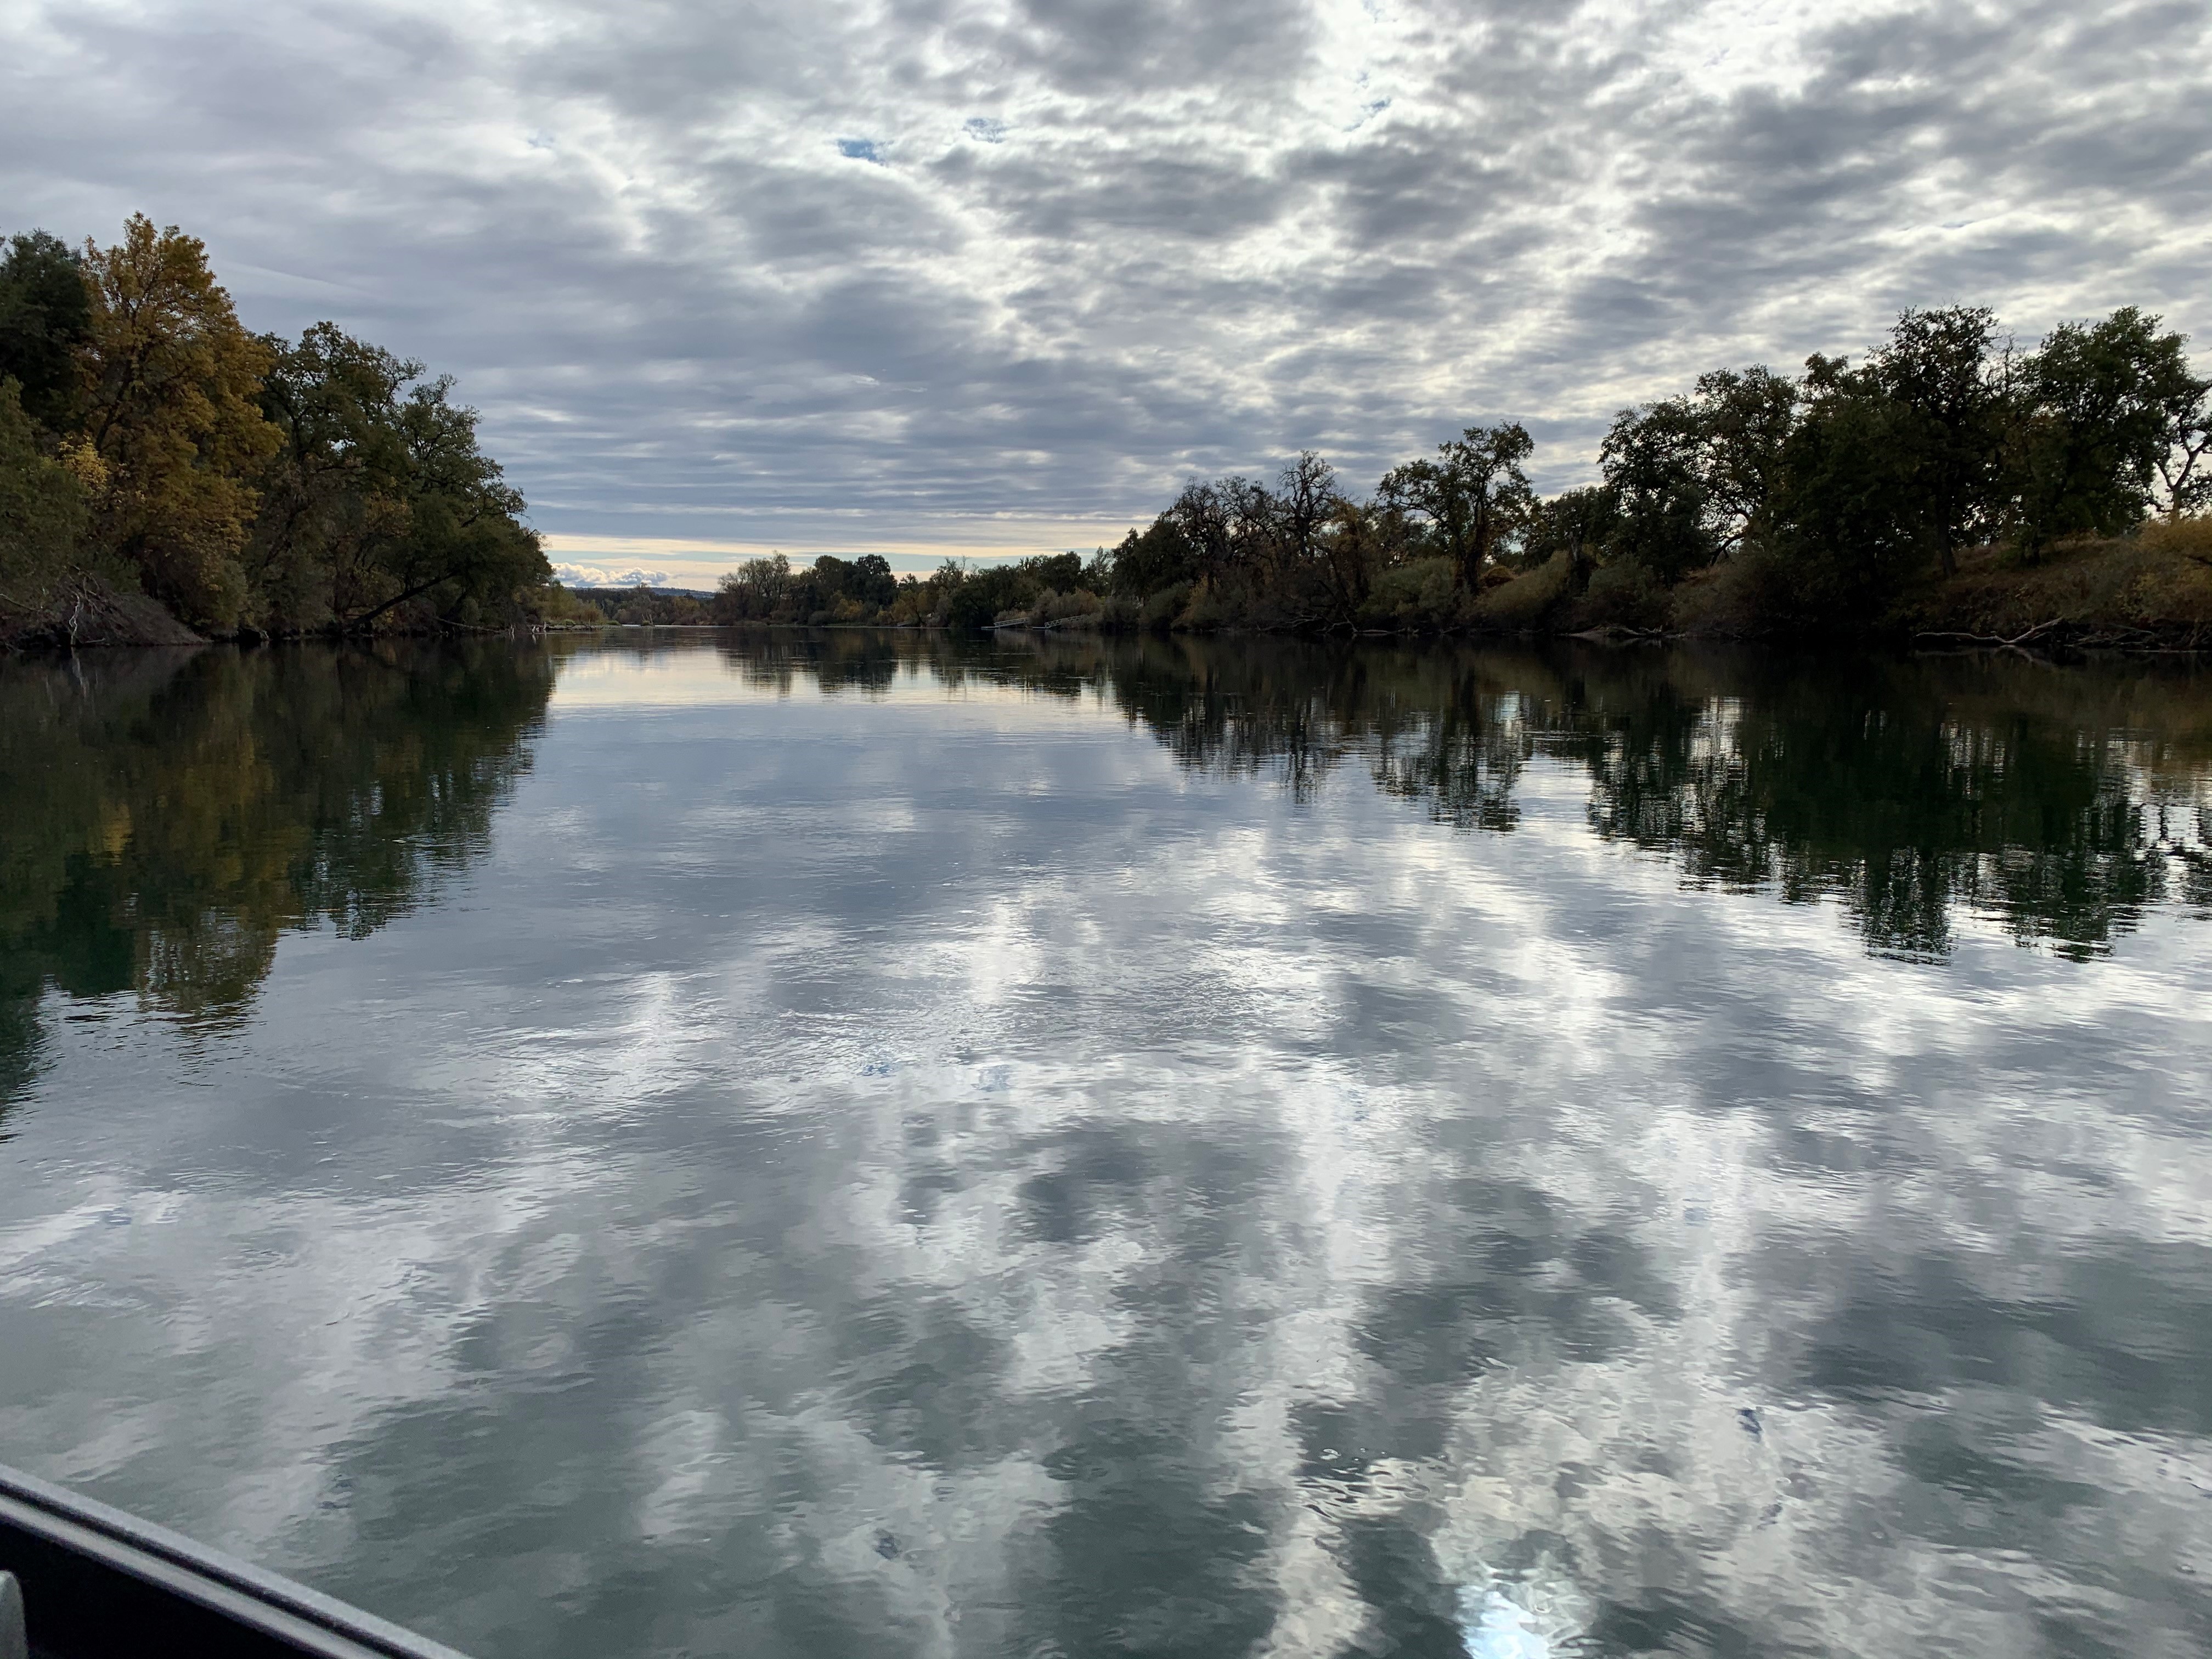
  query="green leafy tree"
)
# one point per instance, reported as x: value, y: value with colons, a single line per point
x: 1653, y: 464
x: 46, y: 317
x: 465, y: 552
x: 979, y: 598
x: 756, y: 591
x: 1846, y: 517
x: 1943, y: 370
x: 1580, y: 523
x: 335, y: 493
x: 871, y: 581
x: 2184, y: 469
x: 1057, y: 573
x: 1473, y: 495
x: 1692, y: 478
x: 42, y: 512
x: 984, y: 595
x: 1160, y: 557
x: 1742, y: 419
x: 2096, y: 418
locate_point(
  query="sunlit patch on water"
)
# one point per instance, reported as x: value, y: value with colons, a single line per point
x: 1534, y: 1615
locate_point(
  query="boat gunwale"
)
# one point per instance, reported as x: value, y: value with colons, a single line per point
x: 169, y: 1562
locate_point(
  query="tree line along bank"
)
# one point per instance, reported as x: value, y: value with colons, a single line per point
x: 153, y: 449
x: 1946, y: 483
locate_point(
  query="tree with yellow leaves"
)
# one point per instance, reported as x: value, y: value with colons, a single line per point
x: 172, y: 385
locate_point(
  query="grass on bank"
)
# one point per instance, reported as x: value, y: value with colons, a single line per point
x: 2151, y: 589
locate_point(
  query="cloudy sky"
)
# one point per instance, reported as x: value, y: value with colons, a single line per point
x: 973, y: 275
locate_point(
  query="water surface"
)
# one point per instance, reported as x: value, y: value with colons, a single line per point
x: 869, y: 1145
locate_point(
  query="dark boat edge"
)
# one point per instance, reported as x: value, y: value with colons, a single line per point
x: 97, y: 1582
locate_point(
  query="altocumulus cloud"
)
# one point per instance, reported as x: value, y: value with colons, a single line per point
x: 928, y: 274
x: 596, y: 576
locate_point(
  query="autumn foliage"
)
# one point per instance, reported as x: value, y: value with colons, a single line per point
x: 149, y: 442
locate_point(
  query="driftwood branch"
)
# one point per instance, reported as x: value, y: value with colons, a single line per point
x: 1993, y: 639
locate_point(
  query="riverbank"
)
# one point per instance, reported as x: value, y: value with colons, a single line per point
x: 86, y: 610
x: 2151, y: 591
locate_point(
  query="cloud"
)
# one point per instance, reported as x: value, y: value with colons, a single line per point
x: 591, y: 576
x: 1100, y: 245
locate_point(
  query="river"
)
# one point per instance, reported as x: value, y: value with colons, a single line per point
x: 873, y: 1145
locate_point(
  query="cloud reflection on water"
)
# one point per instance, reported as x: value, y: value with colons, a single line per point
x: 1068, y: 1166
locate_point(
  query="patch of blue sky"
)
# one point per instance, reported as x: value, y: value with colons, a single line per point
x: 864, y: 149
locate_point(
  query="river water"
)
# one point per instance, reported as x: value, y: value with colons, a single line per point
x: 871, y: 1145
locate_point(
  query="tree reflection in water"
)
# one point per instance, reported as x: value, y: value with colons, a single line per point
x: 2064, y: 804
x: 171, y: 815
x: 1041, y: 1227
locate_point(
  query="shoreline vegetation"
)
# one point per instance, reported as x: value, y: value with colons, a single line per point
x: 167, y: 477
x: 1948, y: 490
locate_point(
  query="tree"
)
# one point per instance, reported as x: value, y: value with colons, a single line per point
x: 336, y: 491
x: 1350, y: 552
x: 871, y: 581
x: 830, y: 576
x: 44, y: 317
x: 377, y: 495
x: 1937, y: 366
x: 1693, y: 479
x: 1846, y: 516
x: 41, y: 512
x: 754, y: 591
x: 171, y: 386
x: 1579, y: 523
x: 1742, y: 419
x: 983, y: 594
x: 2097, y: 417
x: 465, y: 548
x: 1305, y: 500
x: 1206, y: 519
x: 2184, y: 469
x: 1161, y: 557
x: 1654, y: 464
x: 1055, y: 572
x: 1473, y: 494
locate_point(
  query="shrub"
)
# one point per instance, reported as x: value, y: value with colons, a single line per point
x: 1120, y: 613
x: 1423, y: 595
x: 2191, y: 537
x: 1530, y: 602
x: 42, y: 512
x: 1060, y: 607
x: 1622, y: 596
x: 1757, y: 591
x: 1161, y: 612
x: 1208, y: 610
